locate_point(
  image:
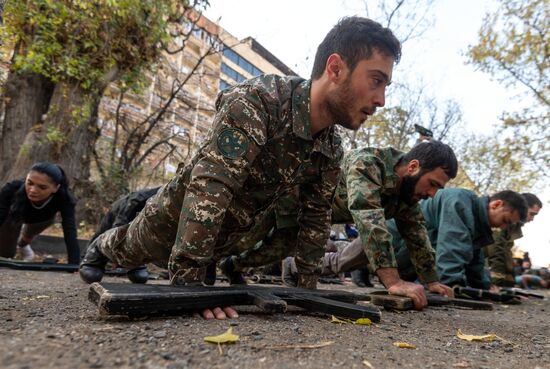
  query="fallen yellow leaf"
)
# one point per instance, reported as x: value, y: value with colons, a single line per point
x: 360, y: 321
x: 227, y: 337
x: 404, y: 345
x: 363, y: 321
x: 471, y: 337
x: 339, y: 321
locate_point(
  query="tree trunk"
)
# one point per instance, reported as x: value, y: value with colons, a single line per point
x: 26, y: 97
x: 66, y: 136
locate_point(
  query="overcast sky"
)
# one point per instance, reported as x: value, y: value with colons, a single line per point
x: 292, y: 29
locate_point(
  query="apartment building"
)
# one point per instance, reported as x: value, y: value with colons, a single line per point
x: 208, y: 61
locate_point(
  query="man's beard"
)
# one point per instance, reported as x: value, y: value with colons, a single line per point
x: 406, y: 191
x: 338, y: 105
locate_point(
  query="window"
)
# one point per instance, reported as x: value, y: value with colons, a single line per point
x: 224, y: 85
x: 241, y: 62
x: 232, y: 73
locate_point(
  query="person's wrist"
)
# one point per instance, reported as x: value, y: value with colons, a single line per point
x: 388, y: 276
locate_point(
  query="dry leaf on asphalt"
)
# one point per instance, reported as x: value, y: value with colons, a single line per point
x: 404, y: 345
x: 227, y: 337
x: 360, y: 321
x: 471, y: 337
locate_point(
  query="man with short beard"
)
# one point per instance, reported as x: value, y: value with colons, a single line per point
x: 460, y: 224
x: 376, y: 185
x: 269, y: 134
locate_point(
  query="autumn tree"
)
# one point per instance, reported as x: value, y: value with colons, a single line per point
x: 120, y: 159
x: 514, y: 47
x: 65, y: 53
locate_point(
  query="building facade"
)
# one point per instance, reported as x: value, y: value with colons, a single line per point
x: 183, y: 89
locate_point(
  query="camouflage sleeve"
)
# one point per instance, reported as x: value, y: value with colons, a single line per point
x: 496, y: 252
x: 236, y: 138
x: 364, y: 186
x: 412, y: 228
x: 314, y: 218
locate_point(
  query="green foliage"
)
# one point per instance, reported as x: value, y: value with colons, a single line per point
x: 54, y: 135
x: 493, y: 165
x: 514, y: 47
x: 90, y: 41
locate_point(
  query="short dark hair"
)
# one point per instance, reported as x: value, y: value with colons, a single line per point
x: 354, y: 39
x: 432, y: 155
x: 513, y: 201
x: 532, y: 200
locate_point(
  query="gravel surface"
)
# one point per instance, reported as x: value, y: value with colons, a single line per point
x: 46, y: 321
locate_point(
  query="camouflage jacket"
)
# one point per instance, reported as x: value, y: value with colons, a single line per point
x: 499, y: 254
x: 367, y: 195
x: 259, y: 147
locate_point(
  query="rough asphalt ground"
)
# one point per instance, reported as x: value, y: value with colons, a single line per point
x: 46, y: 321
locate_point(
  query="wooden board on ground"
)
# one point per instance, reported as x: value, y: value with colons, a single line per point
x: 382, y: 298
x: 25, y: 265
x: 140, y: 300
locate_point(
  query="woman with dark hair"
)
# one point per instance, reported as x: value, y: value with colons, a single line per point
x: 29, y: 206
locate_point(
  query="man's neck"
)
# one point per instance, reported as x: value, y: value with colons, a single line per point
x: 320, y: 118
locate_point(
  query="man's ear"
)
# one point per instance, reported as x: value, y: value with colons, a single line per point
x: 335, y: 67
x: 495, y: 204
x: 413, y: 167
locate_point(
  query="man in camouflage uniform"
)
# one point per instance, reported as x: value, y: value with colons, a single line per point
x: 269, y: 134
x: 499, y: 254
x: 379, y: 184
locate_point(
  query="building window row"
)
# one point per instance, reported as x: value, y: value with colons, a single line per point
x: 240, y: 61
x: 203, y: 35
x: 232, y: 73
x: 224, y: 85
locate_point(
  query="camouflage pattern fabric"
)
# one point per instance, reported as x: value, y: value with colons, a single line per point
x: 499, y: 256
x: 260, y: 146
x: 367, y: 195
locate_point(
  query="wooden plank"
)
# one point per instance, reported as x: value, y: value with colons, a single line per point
x: 382, y: 298
x: 137, y: 299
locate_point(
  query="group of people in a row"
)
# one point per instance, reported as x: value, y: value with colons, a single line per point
x: 271, y: 178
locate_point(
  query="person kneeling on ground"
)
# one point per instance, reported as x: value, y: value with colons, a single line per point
x: 28, y: 206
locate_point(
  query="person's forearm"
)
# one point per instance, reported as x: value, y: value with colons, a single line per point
x: 388, y: 276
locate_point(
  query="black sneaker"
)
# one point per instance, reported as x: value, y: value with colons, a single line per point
x: 93, y: 264
x: 228, y: 269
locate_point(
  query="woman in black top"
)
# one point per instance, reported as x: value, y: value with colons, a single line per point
x: 27, y: 207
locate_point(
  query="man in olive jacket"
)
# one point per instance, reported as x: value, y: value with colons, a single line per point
x: 459, y: 224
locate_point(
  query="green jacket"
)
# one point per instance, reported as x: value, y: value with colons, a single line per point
x: 458, y: 226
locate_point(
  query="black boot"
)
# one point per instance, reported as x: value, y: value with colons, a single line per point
x: 138, y: 275
x: 210, y: 276
x: 360, y: 277
x: 92, y: 265
x: 228, y: 269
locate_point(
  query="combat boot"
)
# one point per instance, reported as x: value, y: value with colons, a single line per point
x: 228, y: 269
x: 138, y: 275
x: 210, y: 276
x: 93, y: 264
x: 361, y: 278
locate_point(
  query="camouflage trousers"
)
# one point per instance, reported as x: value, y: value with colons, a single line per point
x: 150, y: 237
x: 502, y: 279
